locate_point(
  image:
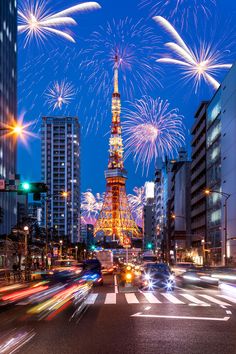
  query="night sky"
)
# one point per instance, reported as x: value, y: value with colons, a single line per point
x: 41, y: 64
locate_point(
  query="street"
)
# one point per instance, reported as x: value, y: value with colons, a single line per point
x: 191, y: 320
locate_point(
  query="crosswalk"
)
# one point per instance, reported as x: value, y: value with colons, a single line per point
x: 160, y: 298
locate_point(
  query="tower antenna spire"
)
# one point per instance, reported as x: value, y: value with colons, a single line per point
x: 116, y: 78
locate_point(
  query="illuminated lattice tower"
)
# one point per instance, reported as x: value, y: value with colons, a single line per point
x: 115, y: 218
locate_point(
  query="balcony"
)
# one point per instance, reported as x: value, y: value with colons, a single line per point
x: 201, y: 130
x: 200, y: 196
x: 198, y: 158
x: 197, y: 147
x: 199, y: 210
x: 199, y: 223
x: 200, y: 184
x: 201, y: 168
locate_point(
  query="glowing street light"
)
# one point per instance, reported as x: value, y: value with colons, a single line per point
x: 207, y: 191
x: 65, y: 194
x: 14, y: 129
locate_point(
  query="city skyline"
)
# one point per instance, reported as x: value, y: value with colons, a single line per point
x: 86, y: 104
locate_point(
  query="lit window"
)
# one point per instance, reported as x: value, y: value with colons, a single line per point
x: 216, y: 215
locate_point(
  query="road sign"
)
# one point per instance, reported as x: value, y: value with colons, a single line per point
x: 2, y: 184
x: 126, y: 242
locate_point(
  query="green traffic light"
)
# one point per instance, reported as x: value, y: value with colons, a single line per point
x: 93, y: 248
x: 26, y: 186
x: 149, y: 245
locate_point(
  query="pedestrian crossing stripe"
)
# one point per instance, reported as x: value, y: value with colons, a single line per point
x: 159, y: 298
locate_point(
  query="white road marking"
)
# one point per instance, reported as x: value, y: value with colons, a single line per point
x: 131, y: 298
x: 147, y: 308
x: 216, y: 301
x: 194, y: 300
x: 151, y: 298
x: 228, y: 312
x: 183, y: 317
x: 110, y: 298
x: 116, y: 286
x: 229, y: 298
x: 172, y: 298
x: 91, y: 299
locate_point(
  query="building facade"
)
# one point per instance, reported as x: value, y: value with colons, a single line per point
x: 35, y: 211
x: 149, y: 220
x: 221, y: 171
x: 198, y: 182
x: 8, y: 108
x: 87, y: 234
x: 61, y: 173
x: 179, y: 207
x: 159, y: 210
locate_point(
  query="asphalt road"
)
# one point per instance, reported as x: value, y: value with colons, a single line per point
x: 190, y: 321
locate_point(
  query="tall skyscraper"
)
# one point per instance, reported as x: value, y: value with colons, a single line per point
x: 115, y: 219
x: 61, y: 173
x: 8, y: 108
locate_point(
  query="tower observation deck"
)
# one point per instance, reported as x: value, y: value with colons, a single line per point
x: 115, y: 219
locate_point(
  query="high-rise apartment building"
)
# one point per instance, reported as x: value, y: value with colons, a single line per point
x: 149, y: 223
x: 198, y: 177
x: 8, y: 108
x: 179, y: 206
x: 159, y: 208
x: 61, y: 173
x: 221, y: 171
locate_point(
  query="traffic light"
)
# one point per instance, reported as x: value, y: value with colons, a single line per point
x: 26, y: 186
x: 35, y: 187
x: 149, y: 245
x: 93, y: 248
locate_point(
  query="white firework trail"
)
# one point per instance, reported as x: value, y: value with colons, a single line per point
x: 35, y: 20
x: 91, y: 205
x: 197, y: 64
x: 137, y: 202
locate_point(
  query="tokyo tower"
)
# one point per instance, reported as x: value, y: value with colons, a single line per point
x: 115, y: 219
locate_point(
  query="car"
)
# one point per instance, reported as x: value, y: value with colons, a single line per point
x: 63, y: 270
x: 181, y: 267
x: 92, y: 271
x: 198, y: 276
x: 157, y: 275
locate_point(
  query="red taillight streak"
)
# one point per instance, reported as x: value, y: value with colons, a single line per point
x: 24, y: 293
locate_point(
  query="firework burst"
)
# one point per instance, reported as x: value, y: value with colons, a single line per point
x: 36, y: 21
x: 137, y: 202
x: 180, y: 11
x: 91, y: 206
x: 152, y: 131
x: 133, y: 42
x: 61, y: 93
x: 197, y: 64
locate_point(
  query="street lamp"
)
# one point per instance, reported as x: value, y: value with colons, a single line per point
x: 61, y: 243
x: 15, y: 129
x: 76, y: 252
x: 26, y: 232
x: 226, y: 197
